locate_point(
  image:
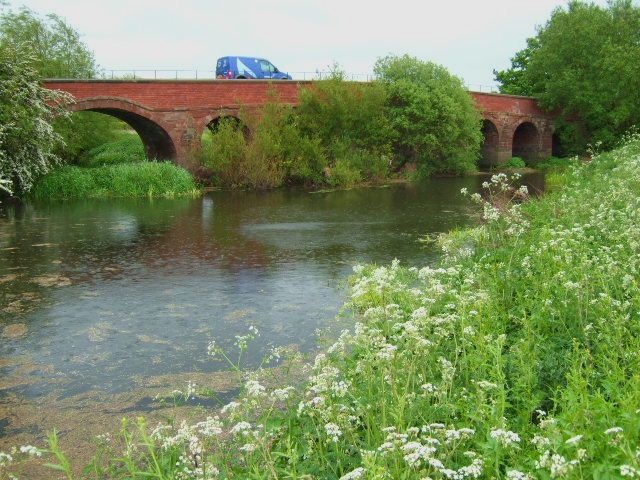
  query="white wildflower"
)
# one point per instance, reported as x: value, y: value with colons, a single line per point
x: 506, y: 438
x: 230, y: 407
x: 573, y: 440
x: 354, y: 474
x: 629, y: 471
x: 30, y: 450
x: 241, y: 427
x: 613, y: 430
x: 254, y: 389
x: 429, y: 388
x: 5, y: 459
x: 210, y: 427
x: 518, y: 475
x: 333, y: 431
x: 248, y: 448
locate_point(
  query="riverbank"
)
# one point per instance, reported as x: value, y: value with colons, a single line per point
x: 515, y: 358
x: 139, y: 179
x: 115, y: 169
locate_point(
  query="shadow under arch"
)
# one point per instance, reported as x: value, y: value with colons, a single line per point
x: 158, y: 144
x: 526, y: 142
x: 490, y: 146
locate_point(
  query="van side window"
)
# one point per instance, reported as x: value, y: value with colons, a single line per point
x: 267, y: 66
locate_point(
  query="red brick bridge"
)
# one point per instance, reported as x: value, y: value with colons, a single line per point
x: 171, y: 115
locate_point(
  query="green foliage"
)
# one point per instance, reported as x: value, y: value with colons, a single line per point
x: 262, y: 150
x: 128, y: 149
x: 27, y: 140
x: 585, y: 65
x: 153, y: 179
x: 555, y: 163
x: 350, y: 121
x: 57, y: 51
x: 56, y: 48
x: 85, y: 131
x: 343, y: 133
x: 514, y: 80
x: 515, y: 162
x: 435, y: 119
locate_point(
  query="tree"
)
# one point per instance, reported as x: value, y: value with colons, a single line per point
x: 27, y: 139
x: 514, y: 81
x: 57, y: 51
x: 435, y: 119
x: 586, y: 68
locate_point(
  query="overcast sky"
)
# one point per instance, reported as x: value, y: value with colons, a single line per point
x: 470, y: 38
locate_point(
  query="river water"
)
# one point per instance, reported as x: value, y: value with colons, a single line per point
x: 106, y: 304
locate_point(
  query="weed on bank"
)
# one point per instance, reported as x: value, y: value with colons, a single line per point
x: 141, y: 179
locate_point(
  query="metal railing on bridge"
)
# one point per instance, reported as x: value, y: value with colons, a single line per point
x: 196, y: 74
x: 178, y: 74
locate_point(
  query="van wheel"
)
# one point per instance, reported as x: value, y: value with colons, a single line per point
x: 241, y: 78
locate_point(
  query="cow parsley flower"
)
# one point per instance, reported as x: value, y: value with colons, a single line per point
x: 506, y: 438
x: 333, y: 431
x: 354, y: 474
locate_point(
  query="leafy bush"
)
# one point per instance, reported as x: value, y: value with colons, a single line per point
x: 515, y: 162
x: 436, y: 123
x: 119, y: 180
x: 262, y: 150
x: 347, y: 116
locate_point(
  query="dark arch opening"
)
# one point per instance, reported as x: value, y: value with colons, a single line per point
x: 213, y: 127
x: 556, y: 145
x: 490, y: 146
x: 158, y: 145
x: 526, y: 142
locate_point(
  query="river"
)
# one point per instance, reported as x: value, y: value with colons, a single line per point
x: 108, y: 304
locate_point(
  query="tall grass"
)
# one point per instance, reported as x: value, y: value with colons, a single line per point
x: 128, y: 148
x: 517, y: 357
x: 119, y: 180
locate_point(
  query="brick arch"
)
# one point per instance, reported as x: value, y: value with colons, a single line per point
x: 207, y: 122
x: 490, y: 151
x: 526, y: 141
x: 212, y: 124
x: 158, y: 142
x: 213, y: 117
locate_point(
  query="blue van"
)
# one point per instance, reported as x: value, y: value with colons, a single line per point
x: 248, y: 67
